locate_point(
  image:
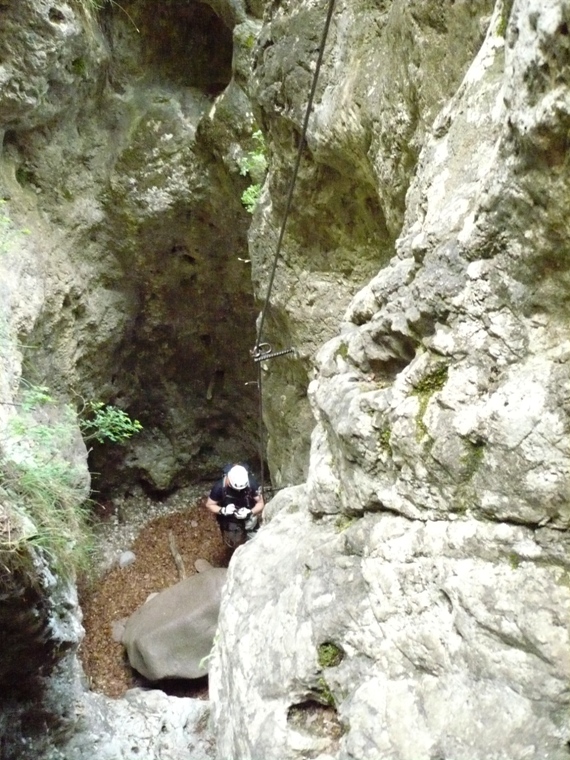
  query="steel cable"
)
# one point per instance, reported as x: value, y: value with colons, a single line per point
x: 256, y: 350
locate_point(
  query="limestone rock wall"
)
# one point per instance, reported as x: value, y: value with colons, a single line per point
x: 124, y: 278
x: 423, y: 562
x: 387, y: 71
x: 40, y: 684
x: 428, y: 549
x: 121, y: 135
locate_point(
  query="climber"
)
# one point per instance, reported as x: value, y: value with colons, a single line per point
x: 237, y: 501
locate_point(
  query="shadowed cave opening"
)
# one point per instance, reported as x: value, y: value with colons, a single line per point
x: 182, y: 41
x: 313, y: 718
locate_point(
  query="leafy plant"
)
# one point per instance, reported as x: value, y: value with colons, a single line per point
x: 254, y: 162
x: 324, y: 694
x: 96, y: 420
x: 250, y: 197
x: 254, y: 165
x: 35, y: 395
x: 43, y: 481
x: 105, y: 422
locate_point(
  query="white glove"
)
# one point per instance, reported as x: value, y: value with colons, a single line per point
x: 243, y: 513
x: 229, y: 509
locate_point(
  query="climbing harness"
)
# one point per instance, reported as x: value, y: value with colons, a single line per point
x: 263, y: 351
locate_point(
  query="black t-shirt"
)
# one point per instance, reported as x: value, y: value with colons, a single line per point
x: 227, y: 495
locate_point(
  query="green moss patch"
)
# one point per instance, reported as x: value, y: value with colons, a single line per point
x: 472, y: 458
x: 330, y: 655
x: 343, y: 522
x: 424, y: 390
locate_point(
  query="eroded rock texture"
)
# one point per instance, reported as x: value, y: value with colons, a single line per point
x: 39, y: 684
x: 121, y: 135
x: 429, y: 546
x: 388, y: 69
x: 123, y: 278
x: 411, y: 598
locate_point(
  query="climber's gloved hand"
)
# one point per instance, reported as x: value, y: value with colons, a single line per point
x: 243, y: 513
x: 229, y: 509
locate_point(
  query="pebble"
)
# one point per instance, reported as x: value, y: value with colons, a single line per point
x: 126, y: 559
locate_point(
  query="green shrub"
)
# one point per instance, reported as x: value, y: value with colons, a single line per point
x: 254, y: 165
x: 250, y: 197
x: 44, y: 488
x: 105, y: 422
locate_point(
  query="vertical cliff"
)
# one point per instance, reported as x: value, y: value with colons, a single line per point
x: 388, y: 69
x: 124, y: 279
x: 411, y: 599
x: 123, y: 128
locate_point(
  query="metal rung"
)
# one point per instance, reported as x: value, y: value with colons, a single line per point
x: 261, y: 356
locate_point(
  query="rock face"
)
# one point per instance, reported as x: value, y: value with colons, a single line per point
x: 124, y: 278
x: 410, y: 598
x: 40, y: 628
x: 143, y: 723
x: 428, y: 549
x: 388, y: 69
x: 121, y: 135
x: 172, y: 634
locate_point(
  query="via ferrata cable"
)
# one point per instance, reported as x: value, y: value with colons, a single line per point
x: 257, y: 352
x: 295, y: 173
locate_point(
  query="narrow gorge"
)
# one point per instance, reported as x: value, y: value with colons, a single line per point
x: 170, y: 197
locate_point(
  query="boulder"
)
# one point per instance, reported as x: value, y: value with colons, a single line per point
x: 172, y: 634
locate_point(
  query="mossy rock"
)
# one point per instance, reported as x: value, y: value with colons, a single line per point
x: 330, y: 655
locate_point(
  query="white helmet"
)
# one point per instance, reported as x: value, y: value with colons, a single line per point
x: 238, y: 477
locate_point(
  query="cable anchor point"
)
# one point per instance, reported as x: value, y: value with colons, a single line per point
x: 263, y: 351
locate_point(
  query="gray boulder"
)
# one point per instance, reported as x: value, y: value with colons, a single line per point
x: 172, y: 634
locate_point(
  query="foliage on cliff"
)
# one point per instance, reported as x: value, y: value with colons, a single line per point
x: 44, y: 483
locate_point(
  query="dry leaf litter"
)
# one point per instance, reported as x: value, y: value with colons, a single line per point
x: 149, y: 529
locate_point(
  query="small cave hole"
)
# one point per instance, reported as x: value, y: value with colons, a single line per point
x: 56, y: 15
x: 10, y: 137
x: 312, y: 717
